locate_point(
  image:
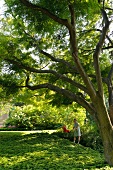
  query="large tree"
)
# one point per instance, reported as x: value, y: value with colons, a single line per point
x: 65, y: 47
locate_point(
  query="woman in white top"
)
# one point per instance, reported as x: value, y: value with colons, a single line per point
x: 77, y: 132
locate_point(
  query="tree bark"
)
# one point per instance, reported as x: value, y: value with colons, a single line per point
x: 110, y: 91
x: 106, y: 129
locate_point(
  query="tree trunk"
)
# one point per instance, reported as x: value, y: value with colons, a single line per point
x: 107, y: 138
x: 106, y: 130
x: 110, y: 90
x: 111, y: 113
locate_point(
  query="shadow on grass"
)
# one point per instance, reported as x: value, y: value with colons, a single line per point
x: 43, y: 151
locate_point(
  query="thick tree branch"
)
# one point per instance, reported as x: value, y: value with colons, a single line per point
x: 57, y: 75
x: 69, y: 65
x: 72, y: 14
x: 110, y: 85
x: 46, y: 12
x: 66, y: 93
x: 110, y: 75
x: 86, y: 79
x: 97, y: 52
x: 74, y: 50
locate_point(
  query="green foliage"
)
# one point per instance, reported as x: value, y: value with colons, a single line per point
x: 28, y: 117
x: 91, y: 136
x: 43, y: 116
x: 37, y: 54
x: 28, y: 31
x: 9, y: 86
x: 46, y: 151
x: 59, y: 100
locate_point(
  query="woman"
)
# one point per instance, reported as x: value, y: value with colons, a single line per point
x: 77, y: 132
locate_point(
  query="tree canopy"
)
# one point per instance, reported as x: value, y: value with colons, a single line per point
x: 64, y: 49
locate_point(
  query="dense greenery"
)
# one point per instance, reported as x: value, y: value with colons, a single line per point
x: 40, y: 114
x: 29, y: 118
x: 46, y: 151
x: 62, y: 51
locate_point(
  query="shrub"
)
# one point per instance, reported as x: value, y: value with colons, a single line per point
x: 30, y: 118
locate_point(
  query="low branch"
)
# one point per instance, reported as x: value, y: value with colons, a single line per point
x: 66, y: 93
x: 58, y: 75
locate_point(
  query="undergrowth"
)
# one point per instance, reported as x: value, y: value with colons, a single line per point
x: 44, y: 151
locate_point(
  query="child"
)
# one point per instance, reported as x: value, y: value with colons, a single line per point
x: 65, y: 130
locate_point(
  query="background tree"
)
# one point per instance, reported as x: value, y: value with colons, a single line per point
x: 64, y: 47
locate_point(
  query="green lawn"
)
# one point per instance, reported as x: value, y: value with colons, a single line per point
x: 43, y: 151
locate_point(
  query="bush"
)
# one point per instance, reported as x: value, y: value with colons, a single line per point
x: 30, y: 118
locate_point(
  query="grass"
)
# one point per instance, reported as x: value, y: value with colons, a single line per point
x: 44, y: 151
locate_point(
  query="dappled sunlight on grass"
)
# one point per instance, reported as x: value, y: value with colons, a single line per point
x: 40, y: 151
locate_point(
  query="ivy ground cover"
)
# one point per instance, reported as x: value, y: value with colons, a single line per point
x: 44, y: 151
